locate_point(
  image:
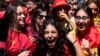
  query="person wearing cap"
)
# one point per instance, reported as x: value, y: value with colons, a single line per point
x: 60, y: 10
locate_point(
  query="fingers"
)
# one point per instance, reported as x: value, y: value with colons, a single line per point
x: 24, y: 53
x: 85, y: 43
x: 63, y: 15
x: 86, y: 47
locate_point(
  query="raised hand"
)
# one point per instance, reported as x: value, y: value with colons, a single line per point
x: 86, y: 47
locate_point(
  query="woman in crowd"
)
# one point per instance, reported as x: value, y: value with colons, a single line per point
x: 60, y: 10
x: 72, y: 11
x: 87, y: 34
x: 19, y: 42
x: 37, y: 20
x: 31, y: 6
x: 53, y: 41
x: 95, y: 10
x: 94, y: 7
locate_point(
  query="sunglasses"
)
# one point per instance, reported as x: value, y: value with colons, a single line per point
x: 95, y: 9
x: 41, y: 16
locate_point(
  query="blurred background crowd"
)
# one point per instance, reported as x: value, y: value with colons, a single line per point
x: 26, y: 31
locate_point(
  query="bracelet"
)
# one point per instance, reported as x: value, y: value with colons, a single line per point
x: 74, y: 42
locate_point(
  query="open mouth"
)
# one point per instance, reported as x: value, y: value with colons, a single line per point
x: 82, y: 26
x: 51, y: 43
x: 29, y: 8
x: 21, y: 22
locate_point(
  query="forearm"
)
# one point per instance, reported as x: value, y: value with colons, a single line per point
x: 78, y: 49
x: 71, y: 37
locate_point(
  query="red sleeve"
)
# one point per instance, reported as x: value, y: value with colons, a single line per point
x: 67, y: 53
x: 94, y: 37
x: 3, y: 45
x: 12, y: 43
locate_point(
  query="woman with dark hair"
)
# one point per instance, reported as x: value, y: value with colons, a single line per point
x: 95, y: 10
x: 60, y: 10
x: 31, y: 6
x: 37, y: 20
x: 94, y: 7
x: 40, y: 14
x: 87, y: 34
x: 53, y: 41
x: 19, y: 42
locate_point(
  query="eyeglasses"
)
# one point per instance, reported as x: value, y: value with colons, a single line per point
x: 83, y: 17
x: 95, y: 9
x: 41, y: 16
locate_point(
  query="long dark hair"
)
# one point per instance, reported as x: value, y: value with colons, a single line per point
x: 13, y: 22
x: 88, y: 12
x: 42, y: 47
x: 36, y: 14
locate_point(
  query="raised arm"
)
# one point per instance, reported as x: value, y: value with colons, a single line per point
x: 71, y: 37
x: 65, y: 16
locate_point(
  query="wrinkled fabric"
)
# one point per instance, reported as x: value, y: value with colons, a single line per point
x: 17, y: 41
x: 94, y: 39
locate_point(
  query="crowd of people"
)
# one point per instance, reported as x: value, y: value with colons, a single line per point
x: 49, y: 27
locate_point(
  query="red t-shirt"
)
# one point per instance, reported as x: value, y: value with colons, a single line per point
x: 93, y: 37
x: 18, y: 40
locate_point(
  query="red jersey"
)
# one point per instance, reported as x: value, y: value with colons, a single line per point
x: 93, y: 37
x: 17, y: 41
